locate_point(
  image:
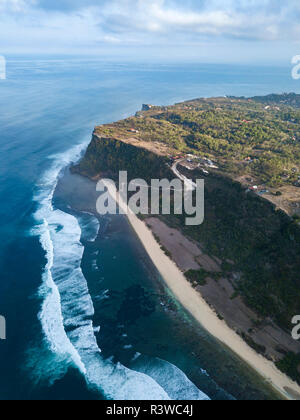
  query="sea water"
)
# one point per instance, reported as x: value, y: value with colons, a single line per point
x: 61, y: 282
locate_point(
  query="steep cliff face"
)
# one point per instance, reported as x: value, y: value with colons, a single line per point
x: 108, y: 156
x: 257, y: 245
x: 263, y: 243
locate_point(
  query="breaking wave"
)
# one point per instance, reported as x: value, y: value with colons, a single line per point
x: 169, y: 377
x: 67, y: 309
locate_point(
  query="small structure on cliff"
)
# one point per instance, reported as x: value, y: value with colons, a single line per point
x: 147, y: 107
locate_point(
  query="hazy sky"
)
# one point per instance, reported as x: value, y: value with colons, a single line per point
x: 266, y: 31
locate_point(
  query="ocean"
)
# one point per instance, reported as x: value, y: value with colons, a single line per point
x: 87, y: 314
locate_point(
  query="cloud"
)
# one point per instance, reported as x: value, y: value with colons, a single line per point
x: 91, y: 24
x: 253, y: 19
x: 155, y: 17
x: 14, y: 6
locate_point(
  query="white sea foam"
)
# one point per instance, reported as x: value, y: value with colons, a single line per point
x: 117, y: 382
x: 67, y: 309
x: 89, y: 225
x: 51, y: 314
x: 95, y: 265
x: 171, y: 379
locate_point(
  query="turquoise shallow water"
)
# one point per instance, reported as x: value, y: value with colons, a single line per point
x: 141, y: 326
x: 46, y: 108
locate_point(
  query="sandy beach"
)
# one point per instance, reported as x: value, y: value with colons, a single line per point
x: 201, y: 311
x: 219, y: 293
x: 193, y: 302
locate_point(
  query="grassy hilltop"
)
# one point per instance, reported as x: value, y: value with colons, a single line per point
x: 228, y: 130
x: 256, y: 237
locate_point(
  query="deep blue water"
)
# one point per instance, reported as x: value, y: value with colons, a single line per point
x: 46, y: 108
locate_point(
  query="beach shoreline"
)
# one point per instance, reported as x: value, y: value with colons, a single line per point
x: 77, y: 194
x: 200, y: 310
x: 194, y: 303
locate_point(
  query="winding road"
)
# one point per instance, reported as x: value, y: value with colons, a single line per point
x: 189, y: 184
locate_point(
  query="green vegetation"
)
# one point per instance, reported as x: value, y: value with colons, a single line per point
x: 244, y: 136
x: 231, y: 131
x: 290, y: 99
x: 152, y: 129
x: 290, y: 365
x: 257, y: 347
x: 197, y: 277
x: 264, y: 244
x: 259, y: 138
x: 106, y: 157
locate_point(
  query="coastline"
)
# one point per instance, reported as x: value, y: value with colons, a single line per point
x: 193, y: 302
x: 222, y: 374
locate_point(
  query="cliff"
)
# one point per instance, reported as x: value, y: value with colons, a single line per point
x: 249, y: 236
